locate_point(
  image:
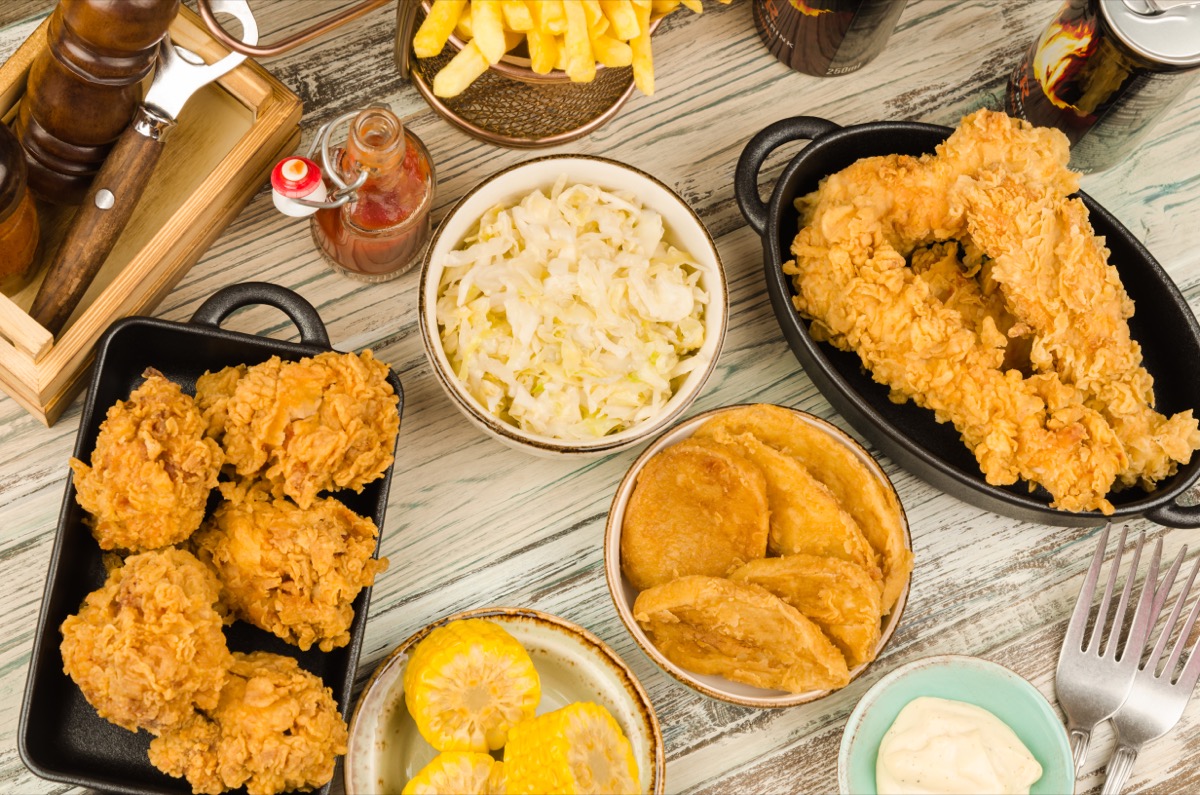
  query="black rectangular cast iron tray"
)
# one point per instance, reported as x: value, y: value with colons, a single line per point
x: 60, y: 736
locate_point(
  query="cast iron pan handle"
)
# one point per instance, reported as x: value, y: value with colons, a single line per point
x: 227, y: 300
x: 745, y: 180
x: 1172, y: 514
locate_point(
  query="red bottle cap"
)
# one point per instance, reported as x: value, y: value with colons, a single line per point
x: 295, y: 177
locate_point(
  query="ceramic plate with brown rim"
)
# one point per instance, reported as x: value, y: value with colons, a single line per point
x: 624, y: 594
x: 386, y: 750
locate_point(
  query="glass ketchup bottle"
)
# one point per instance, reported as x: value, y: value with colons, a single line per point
x: 380, y: 232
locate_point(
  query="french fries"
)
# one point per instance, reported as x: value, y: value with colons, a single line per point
x: 581, y: 63
x: 573, y: 36
x: 436, y: 29
x: 643, y: 60
x: 487, y: 24
x: 454, y: 77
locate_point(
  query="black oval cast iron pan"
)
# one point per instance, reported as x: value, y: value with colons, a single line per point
x: 60, y: 736
x: 1163, y: 324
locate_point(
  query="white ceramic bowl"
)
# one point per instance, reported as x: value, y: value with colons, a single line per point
x: 386, y: 750
x: 624, y: 594
x: 985, y: 684
x: 684, y: 229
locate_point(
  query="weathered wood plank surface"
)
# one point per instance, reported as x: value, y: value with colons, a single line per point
x: 472, y: 523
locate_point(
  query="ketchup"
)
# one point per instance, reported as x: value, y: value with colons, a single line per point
x: 380, y: 234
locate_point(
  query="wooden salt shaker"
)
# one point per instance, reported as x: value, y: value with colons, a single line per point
x: 83, y: 89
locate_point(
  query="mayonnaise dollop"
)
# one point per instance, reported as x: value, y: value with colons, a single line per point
x: 941, y: 747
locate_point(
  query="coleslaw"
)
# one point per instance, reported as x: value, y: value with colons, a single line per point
x: 569, y: 314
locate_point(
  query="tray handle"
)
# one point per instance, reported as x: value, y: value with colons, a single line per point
x: 1173, y: 514
x: 227, y: 300
x: 745, y: 180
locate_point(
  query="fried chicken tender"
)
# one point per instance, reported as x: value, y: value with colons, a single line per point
x: 853, y: 281
x: 965, y: 285
x: 835, y: 595
x: 805, y: 517
x: 147, y: 649
x: 710, y: 625
x: 151, y: 470
x: 907, y: 200
x: 857, y: 487
x: 697, y: 508
x: 325, y: 422
x: 292, y: 572
x: 276, y: 728
x: 1055, y: 275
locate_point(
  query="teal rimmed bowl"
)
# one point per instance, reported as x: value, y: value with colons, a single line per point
x: 985, y: 684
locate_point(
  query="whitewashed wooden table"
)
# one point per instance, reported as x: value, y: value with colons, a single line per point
x: 471, y: 523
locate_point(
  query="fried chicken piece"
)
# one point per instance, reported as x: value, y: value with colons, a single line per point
x: 325, y: 422
x: 965, y: 286
x: 853, y: 281
x: 860, y: 490
x: 276, y: 728
x: 863, y: 298
x: 1056, y: 278
x: 292, y: 572
x: 151, y: 470
x: 697, y: 508
x: 805, y: 517
x: 147, y: 649
x: 907, y: 200
x: 213, y: 393
x: 709, y: 625
x: 837, y: 596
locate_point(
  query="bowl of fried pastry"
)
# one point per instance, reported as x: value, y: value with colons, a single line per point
x: 758, y: 555
x: 207, y: 593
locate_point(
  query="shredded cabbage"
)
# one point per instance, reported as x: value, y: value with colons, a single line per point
x: 569, y: 315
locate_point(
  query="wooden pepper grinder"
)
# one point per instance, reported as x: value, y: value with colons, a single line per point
x: 18, y: 218
x: 83, y: 89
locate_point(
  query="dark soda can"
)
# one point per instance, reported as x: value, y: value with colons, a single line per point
x: 826, y: 37
x: 1104, y: 71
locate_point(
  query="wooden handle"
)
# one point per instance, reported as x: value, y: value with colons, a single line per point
x: 100, y: 220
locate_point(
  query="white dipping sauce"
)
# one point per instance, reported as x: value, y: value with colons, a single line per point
x: 943, y: 747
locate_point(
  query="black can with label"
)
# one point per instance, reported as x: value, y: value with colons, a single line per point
x: 826, y: 37
x: 1105, y: 71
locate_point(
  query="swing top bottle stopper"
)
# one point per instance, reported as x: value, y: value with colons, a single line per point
x: 297, y: 178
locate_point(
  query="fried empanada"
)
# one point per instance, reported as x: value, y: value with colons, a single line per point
x: 805, y: 516
x: 697, y: 508
x: 857, y: 488
x: 710, y: 625
x: 839, y: 597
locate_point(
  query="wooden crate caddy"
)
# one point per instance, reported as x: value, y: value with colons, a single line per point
x: 229, y: 136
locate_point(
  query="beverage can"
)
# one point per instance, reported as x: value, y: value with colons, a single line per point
x: 826, y: 37
x: 1105, y: 71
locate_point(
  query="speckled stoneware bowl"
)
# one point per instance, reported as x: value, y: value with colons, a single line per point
x: 624, y: 594
x: 980, y: 682
x: 386, y: 750
x: 684, y: 229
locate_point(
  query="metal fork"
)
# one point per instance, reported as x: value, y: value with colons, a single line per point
x: 1156, y: 703
x: 1091, y: 685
